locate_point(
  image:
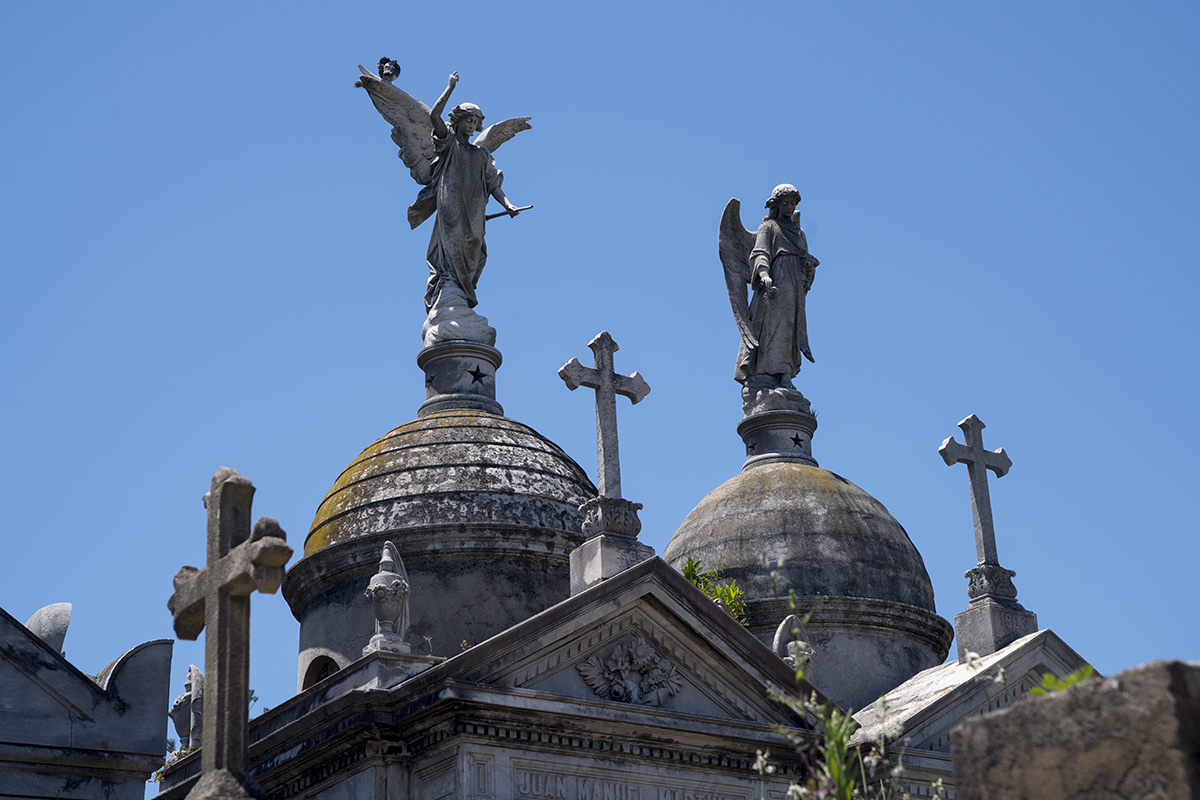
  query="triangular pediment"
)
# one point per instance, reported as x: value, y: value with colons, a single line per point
x: 923, y: 710
x: 39, y: 686
x: 644, y: 641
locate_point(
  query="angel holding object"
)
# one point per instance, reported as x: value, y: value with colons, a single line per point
x: 457, y: 179
x: 776, y: 264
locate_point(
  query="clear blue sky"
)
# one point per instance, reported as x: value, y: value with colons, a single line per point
x: 207, y: 263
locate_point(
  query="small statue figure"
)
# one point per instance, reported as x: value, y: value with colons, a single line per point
x: 775, y: 262
x: 187, y: 712
x: 388, y: 591
x: 457, y: 177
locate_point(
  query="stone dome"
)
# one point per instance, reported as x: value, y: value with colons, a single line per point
x: 846, y: 560
x: 453, y: 469
x: 484, y: 512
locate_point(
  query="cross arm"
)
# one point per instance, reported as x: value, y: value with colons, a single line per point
x: 187, y: 603
x: 575, y: 375
x: 269, y: 552
x: 952, y: 452
x: 256, y: 564
x: 633, y: 386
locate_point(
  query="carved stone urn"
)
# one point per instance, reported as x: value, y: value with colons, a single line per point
x: 388, y: 592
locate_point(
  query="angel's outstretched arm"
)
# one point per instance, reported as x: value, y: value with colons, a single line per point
x: 504, y: 201
x: 435, y: 113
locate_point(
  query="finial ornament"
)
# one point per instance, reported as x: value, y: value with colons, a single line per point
x: 993, y: 618
x: 388, y: 592
x: 608, y: 384
x: 457, y: 177
x: 979, y: 461
x: 610, y: 522
x: 776, y: 265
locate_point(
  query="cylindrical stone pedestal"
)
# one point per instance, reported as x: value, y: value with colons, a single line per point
x: 459, y: 374
x: 775, y: 436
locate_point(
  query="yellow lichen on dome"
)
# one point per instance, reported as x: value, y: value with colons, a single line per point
x: 448, y: 459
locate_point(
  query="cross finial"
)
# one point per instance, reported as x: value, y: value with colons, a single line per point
x: 978, y: 461
x: 240, y: 561
x: 608, y: 384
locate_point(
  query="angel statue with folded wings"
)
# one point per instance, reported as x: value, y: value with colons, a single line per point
x: 776, y: 264
x: 457, y: 177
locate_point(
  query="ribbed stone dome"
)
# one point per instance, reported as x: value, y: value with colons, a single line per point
x: 847, y: 561
x: 453, y: 469
x: 484, y: 512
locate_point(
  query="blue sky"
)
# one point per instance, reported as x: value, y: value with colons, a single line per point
x: 207, y: 263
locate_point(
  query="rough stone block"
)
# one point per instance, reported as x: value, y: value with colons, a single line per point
x: 986, y: 626
x: 602, y: 557
x: 1133, y: 736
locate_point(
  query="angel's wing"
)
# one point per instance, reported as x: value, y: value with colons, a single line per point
x: 734, y: 245
x: 496, y: 135
x: 412, y: 130
x: 596, y: 676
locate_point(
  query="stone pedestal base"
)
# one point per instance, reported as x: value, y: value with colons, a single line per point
x: 774, y: 436
x: 459, y: 374
x: 604, y: 556
x: 226, y: 784
x: 395, y: 667
x: 384, y: 643
x: 987, y: 625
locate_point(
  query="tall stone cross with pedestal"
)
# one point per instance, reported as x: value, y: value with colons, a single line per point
x: 217, y: 598
x: 611, y: 523
x: 993, y: 617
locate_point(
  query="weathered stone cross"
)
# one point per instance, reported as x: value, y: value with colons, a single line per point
x: 978, y: 461
x: 240, y: 560
x: 608, y: 384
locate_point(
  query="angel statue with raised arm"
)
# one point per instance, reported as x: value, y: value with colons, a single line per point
x: 776, y: 264
x: 457, y: 178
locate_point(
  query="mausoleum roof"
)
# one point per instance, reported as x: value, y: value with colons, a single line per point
x: 835, y: 540
x: 459, y: 467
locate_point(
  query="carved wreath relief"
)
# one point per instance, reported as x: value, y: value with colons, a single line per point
x: 632, y: 673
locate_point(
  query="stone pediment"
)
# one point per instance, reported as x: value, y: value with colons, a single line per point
x: 645, y: 641
x: 45, y: 701
x: 924, y: 709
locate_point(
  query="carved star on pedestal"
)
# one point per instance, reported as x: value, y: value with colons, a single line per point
x: 477, y: 375
x: 796, y: 440
x: 751, y: 446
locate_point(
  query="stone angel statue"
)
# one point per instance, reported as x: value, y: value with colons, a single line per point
x: 457, y: 177
x: 776, y: 265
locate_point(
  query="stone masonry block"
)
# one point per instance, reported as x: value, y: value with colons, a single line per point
x: 1133, y: 736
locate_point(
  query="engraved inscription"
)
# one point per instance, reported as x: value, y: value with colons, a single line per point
x: 533, y: 784
x: 538, y: 784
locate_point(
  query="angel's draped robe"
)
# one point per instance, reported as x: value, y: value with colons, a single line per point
x: 778, y: 322
x: 464, y: 177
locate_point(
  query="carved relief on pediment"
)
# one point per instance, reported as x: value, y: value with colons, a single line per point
x: 632, y: 672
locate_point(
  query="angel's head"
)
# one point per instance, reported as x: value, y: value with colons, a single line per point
x: 783, y: 201
x: 469, y: 115
x: 389, y: 70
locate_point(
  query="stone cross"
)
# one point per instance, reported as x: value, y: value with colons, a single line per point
x: 240, y: 561
x: 978, y: 461
x: 608, y: 384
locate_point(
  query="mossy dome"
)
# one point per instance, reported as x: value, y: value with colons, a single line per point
x: 453, y: 470
x: 833, y: 537
x: 845, y: 560
x: 484, y: 512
